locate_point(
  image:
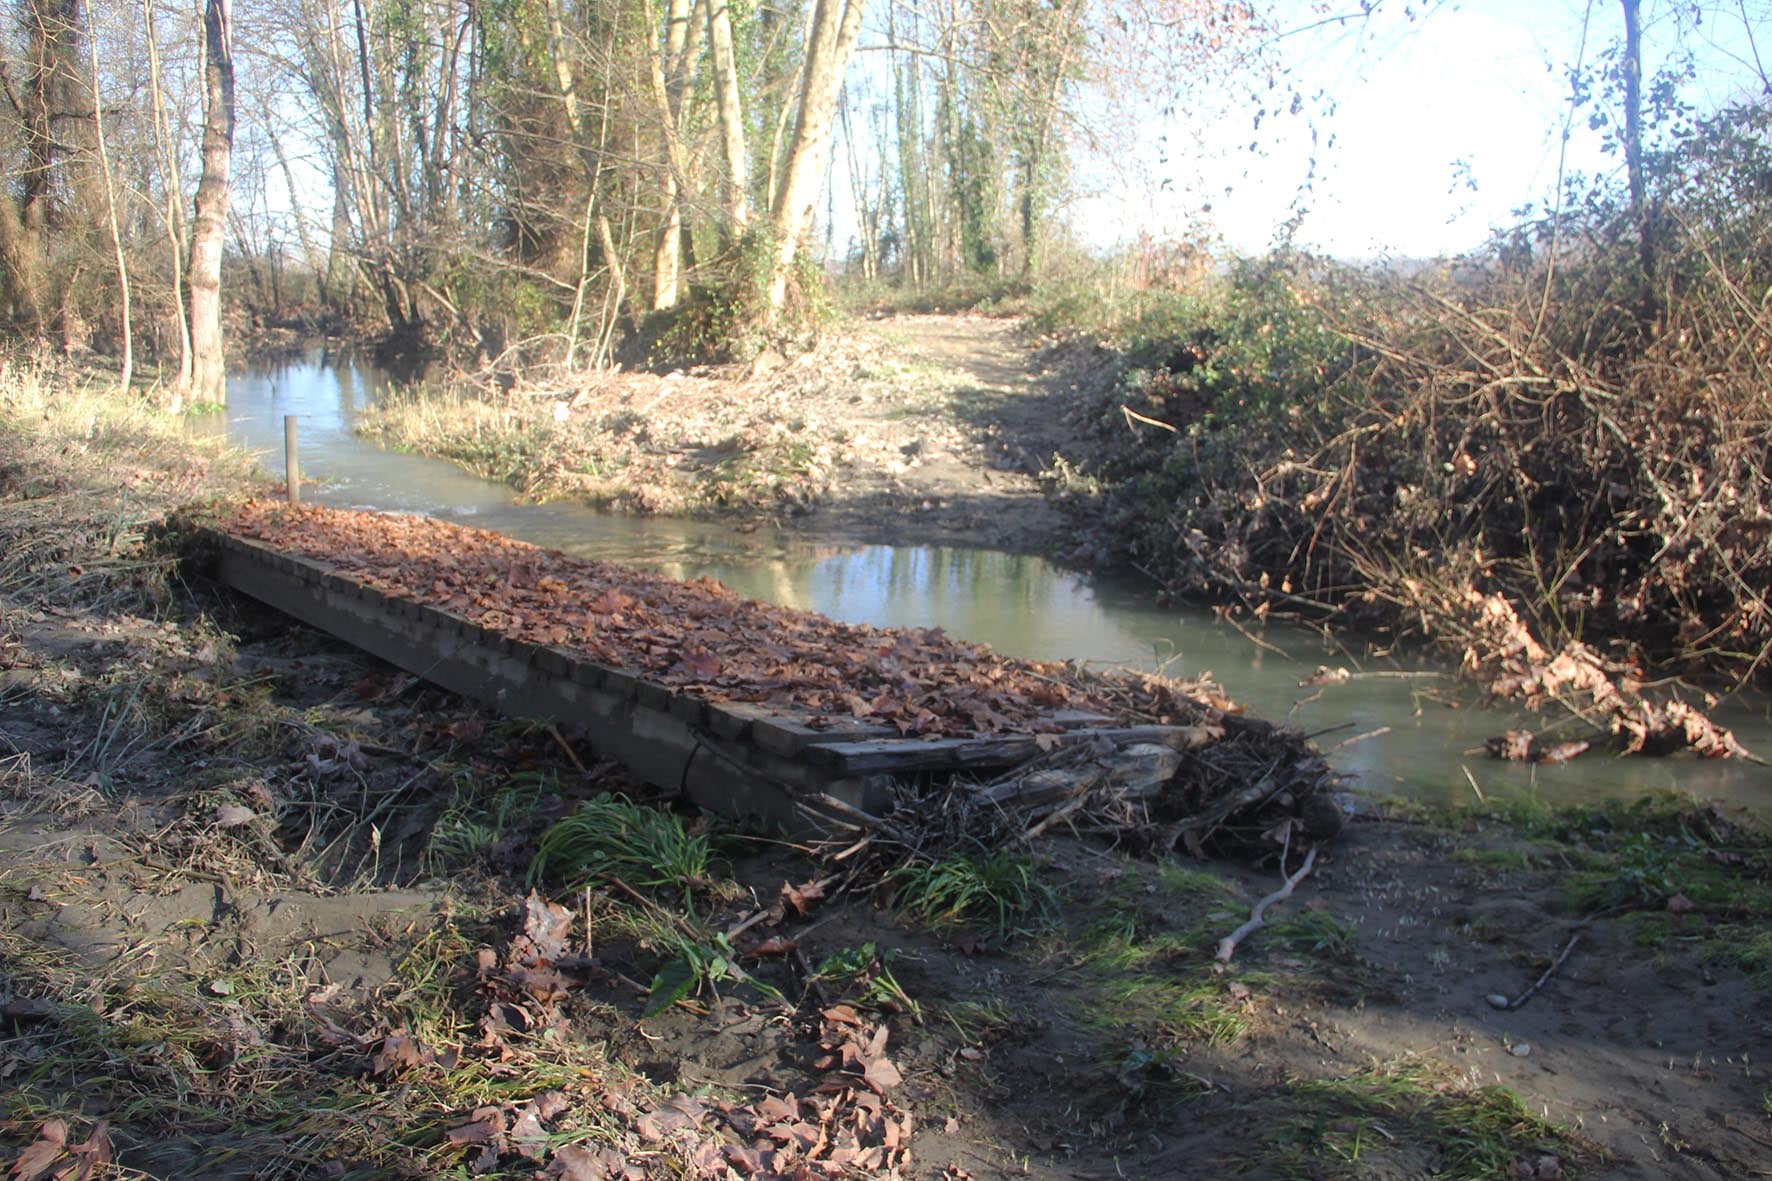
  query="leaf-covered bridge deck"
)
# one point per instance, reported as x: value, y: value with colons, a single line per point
x: 744, y: 706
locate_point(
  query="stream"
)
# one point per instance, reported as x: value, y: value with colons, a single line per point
x: 1020, y: 605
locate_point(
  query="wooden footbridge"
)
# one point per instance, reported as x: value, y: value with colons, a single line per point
x: 739, y: 759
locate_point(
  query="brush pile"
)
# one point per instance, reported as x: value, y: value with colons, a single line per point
x: 1548, y: 459
x: 1225, y: 788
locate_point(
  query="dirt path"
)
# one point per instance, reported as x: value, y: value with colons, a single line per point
x: 910, y: 429
x: 950, y: 428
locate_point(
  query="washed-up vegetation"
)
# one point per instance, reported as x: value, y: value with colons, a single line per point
x: 1547, y: 457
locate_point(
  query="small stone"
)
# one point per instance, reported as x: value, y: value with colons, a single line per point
x: 1520, y: 1049
x: 1497, y: 1000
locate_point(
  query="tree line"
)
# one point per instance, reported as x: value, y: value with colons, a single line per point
x: 540, y: 178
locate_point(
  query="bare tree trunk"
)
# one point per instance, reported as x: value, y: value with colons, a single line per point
x: 1632, y: 69
x: 835, y: 26
x: 685, y: 23
x: 127, y: 370
x: 174, y: 213
x: 209, y: 229
x: 47, y: 98
x: 310, y: 253
x: 732, y: 146
x: 867, y: 207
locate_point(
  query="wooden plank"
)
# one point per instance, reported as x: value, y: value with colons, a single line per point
x: 654, y: 729
x: 654, y: 745
x: 1074, y: 718
x: 783, y: 734
x: 904, y: 756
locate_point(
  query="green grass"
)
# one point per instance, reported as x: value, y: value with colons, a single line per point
x: 236, y: 1059
x: 1120, y: 943
x: 1747, y: 947
x: 1411, y: 1114
x: 1307, y: 931
x: 977, y: 1023
x: 1177, y: 882
x: 1168, y: 1013
x: 612, y: 837
x: 999, y: 893
x: 1638, y: 854
x: 1512, y: 858
x: 476, y: 823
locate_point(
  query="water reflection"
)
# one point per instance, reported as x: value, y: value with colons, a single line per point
x: 1014, y: 603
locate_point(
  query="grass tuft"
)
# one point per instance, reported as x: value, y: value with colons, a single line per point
x: 998, y: 892
x: 1413, y: 1115
x: 612, y: 837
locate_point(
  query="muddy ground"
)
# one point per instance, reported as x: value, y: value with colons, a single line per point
x: 262, y: 915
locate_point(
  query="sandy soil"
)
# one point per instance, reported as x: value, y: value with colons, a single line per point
x: 246, y: 877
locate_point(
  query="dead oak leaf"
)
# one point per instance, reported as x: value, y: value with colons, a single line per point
x: 802, y: 897
x: 882, y: 1075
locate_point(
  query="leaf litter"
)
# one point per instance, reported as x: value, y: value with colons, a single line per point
x: 700, y: 637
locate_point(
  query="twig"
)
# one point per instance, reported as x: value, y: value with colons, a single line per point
x: 1347, y: 742
x: 1509, y: 1006
x: 1481, y: 798
x: 1227, y: 947
x: 554, y: 733
x: 812, y: 978
x: 762, y: 913
x: 852, y: 850
x: 1134, y: 416
x: 1255, y: 639
x: 856, y: 818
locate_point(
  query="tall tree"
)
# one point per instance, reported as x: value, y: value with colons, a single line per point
x: 836, y: 24
x: 209, y: 227
x: 736, y: 182
x: 166, y: 152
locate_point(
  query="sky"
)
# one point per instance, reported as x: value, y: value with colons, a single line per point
x: 1467, y: 93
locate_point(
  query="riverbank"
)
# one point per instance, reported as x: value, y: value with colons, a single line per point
x: 912, y: 430
x: 263, y: 907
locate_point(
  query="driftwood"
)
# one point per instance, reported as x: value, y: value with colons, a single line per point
x: 1501, y: 1002
x: 1227, y: 947
x: 1221, y: 786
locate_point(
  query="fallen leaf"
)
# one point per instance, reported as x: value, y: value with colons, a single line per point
x: 481, y: 1131
x: 37, y: 1160
x: 882, y: 1075
x: 802, y: 897
x: 398, y: 1051
x: 233, y: 816
x: 575, y: 1162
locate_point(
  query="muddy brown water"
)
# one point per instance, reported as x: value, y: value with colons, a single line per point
x: 1015, y: 603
